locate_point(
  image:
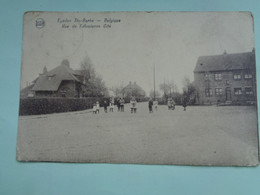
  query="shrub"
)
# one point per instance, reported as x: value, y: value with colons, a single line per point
x: 36, y: 106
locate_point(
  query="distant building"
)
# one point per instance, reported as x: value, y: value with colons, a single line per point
x: 61, y: 81
x: 226, y: 78
x: 132, y: 89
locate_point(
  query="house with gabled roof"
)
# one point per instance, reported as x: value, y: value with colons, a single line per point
x: 226, y: 78
x: 133, y: 89
x: 61, y: 81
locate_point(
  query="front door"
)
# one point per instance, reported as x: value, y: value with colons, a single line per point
x: 228, y: 94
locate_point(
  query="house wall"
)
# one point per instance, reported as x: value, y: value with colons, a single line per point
x: 227, y: 81
x: 67, y: 89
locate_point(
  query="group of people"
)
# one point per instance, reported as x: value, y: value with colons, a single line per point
x: 109, y: 105
x: 152, y: 103
x: 171, y: 104
x: 120, y: 102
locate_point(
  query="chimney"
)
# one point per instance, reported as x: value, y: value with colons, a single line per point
x: 65, y: 62
x: 44, y: 71
x: 253, y: 50
x: 225, y: 52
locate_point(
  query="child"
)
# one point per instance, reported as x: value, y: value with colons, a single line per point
x: 111, y: 105
x: 97, y: 107
x: 122, y: 102
x: 169, y: 103
x: 173, y: 104
x: 155, y: 103
x: 94, y: 109
x: 133, y: 105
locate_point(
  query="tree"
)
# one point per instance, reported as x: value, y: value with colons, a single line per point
x: 117, y: 90
x: 87, y: 69
x: 165, y: 89
x: 157, y: 94
x: 169, y: 88
x: 94, y: 84
x: 189, y: 90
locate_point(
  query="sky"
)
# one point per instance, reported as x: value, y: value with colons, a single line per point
x: 132, y: 43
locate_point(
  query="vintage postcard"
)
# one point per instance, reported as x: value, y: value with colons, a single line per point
x: 139, y: 87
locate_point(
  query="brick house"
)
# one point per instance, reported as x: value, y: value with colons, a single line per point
x: 226, y: 78
x: 61, y: 81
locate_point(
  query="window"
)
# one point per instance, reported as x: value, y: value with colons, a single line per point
x: 238, y: 91
x: 248, y: 91
x: 227, y: 82
x: 248, y: 76
x: 206, y: 76
x: 31, y: 94
x: 208, y: 92
x: 50, y: 77
x: 218, y: 91
x: 237, y: 76
x: 218, y: 76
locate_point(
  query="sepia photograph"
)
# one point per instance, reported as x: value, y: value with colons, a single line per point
x: 173, y: 88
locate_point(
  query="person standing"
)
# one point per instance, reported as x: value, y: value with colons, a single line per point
x: 94, y: 108
x: 133, y: 103
x: 111, y: 105
x: 97, y: 107
x: 118, y: 104
x: 169, y: 103
x: 173, y: 104
x: 150, y: 105
x: 155, y: 103
x: 122, y: 105
x: 184, y: 102
x: 105, y: 106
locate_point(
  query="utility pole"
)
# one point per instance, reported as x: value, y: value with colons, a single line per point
x: 164, y: 99
x: 154, y: 82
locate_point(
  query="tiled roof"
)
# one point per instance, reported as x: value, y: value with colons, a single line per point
x: 133, y: 86
x: 235, y: 61
x: 51, y: 80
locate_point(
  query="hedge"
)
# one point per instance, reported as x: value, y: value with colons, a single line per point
x: 36, y: 106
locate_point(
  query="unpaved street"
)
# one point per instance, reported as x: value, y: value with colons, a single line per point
x: 200, y: 135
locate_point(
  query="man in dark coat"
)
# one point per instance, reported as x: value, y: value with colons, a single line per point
x: 122, y: 104
x: 150, y: 105
x: 105, y: 106
x: 184, y: 102
x: 118, y: 104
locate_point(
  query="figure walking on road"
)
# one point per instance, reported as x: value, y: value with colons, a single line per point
x: 105, y: 106
x: 118, y: 104
x: 94, y: 108
x: 133, y: 103
x: 122, y: 104
x: 97, y: 107
x: 111, y: 105
x: 169, y: 103
x: 155, y: 103
x: 150, y: 105
x: 173, y: 104
x: 184, y: 102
